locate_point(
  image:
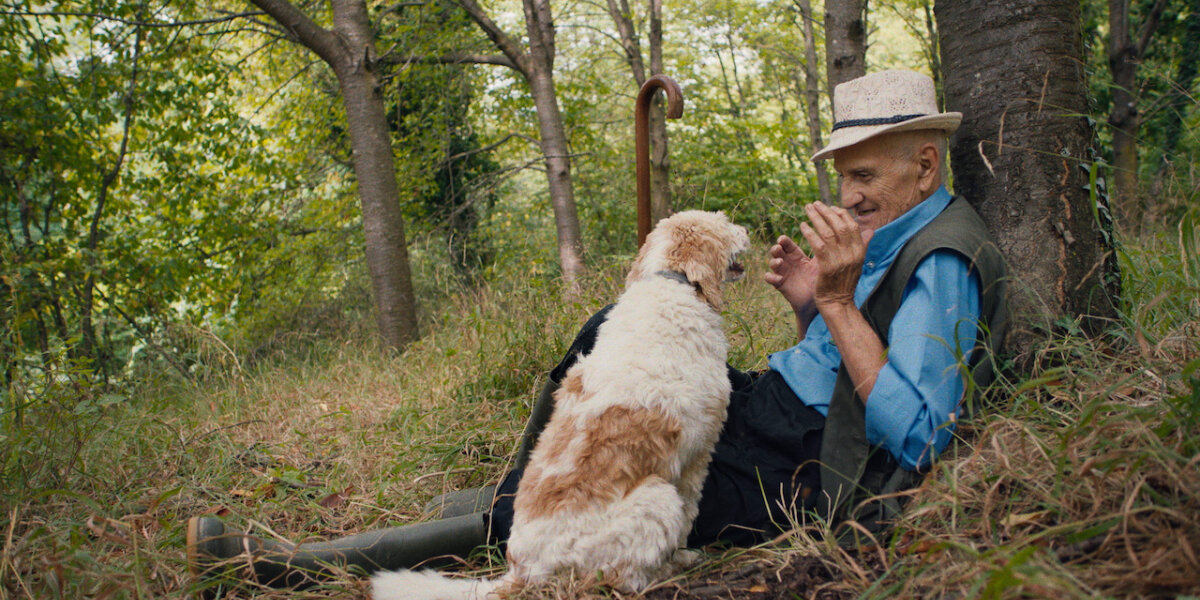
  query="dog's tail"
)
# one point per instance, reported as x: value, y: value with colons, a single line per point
x: 429, y: 585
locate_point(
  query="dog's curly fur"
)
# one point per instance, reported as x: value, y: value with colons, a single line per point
x: 614, y: 482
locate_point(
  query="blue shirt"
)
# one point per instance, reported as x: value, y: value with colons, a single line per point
x: 909, y: 409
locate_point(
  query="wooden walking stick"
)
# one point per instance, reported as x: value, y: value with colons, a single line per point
x: 641, y: 128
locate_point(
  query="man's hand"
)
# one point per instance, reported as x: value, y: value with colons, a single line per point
x: 839, y: 247
x: 794, y: 274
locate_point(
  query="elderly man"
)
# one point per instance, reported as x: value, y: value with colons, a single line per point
x: 894, y: 311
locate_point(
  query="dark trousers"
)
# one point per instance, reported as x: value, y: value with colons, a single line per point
x: 763, y: 478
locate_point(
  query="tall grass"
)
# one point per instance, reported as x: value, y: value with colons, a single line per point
x: 1081, y: 482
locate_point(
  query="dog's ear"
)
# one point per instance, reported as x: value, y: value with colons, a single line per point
x: 710, y: 288
x: 697, y: 254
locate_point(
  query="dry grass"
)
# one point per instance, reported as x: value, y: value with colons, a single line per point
x: 336, y: 439
x: 1094, y: 497
x: 1080, y: 481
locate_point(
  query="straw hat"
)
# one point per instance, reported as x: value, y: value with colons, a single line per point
x: 884, y: 102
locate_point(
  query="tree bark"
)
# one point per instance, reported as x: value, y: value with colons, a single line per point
x: 845, y: 41
x: 537, y: 67
x: 660, y: 161
x: 1124, y: 53
x: 933, y: 53
x: 539, y: 23
x: 1015, y: 71
x: 812, y: 96
x: 349, y: 49
x: 660, y: 191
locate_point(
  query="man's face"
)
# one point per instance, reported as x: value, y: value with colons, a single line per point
x: 876, y: 186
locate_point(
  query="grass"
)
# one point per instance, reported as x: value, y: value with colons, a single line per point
x: 1079, y: 481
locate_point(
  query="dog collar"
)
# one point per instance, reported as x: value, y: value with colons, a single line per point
x: 677, y: 276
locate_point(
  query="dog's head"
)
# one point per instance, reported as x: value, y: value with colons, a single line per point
x: 703, y: 246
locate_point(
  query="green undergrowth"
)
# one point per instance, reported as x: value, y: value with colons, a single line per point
x: 1079, y: 480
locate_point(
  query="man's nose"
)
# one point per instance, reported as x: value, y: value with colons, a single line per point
x: 849, y: 195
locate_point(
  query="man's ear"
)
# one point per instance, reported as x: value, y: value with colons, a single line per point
x: 929, y: 165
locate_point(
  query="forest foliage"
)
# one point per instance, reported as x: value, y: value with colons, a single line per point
x: 177, y: 171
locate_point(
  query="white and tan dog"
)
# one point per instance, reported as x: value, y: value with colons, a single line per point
x: 614, y: 482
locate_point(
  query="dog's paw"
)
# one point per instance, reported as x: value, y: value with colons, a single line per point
x: 685, y: 559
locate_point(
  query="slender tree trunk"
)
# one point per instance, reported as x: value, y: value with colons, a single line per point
x: 558, y: 174
x: 812, y: 96
x: 89, y: 346
x: 622, y: 16
x: 1015, y: 71
x: 845, y: 41
x: 660, y: 161
x: 1124, y: 115
x: 537, y: 67
x: 1124, y: 53
x: 350, y: 50
x: 539, y: 23
x: 660, y: 192
x: 933, y: 53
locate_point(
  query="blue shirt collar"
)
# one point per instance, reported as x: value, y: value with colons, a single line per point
x: 891, y: 237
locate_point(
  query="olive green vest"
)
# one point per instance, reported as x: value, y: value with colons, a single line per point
x: 859, y: 481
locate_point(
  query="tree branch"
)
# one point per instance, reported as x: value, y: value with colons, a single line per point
x: 1149, y: 26
x: 396, y: 7
x: 621, y: 16
x: 145, y: 335
x: 453, y: 58
x: 299, y: 25
x: 491, y: 146
x: 90, y: 345
x: 504, y: 43
x: 126, y: 126
x: 161, y: 24
x: 276, y: 91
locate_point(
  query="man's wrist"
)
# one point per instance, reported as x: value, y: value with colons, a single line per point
x: 833, y: 308
x: 805, y: 312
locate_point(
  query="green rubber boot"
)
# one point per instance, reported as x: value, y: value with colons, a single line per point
x: 215, y: 553
x: 463, y: 502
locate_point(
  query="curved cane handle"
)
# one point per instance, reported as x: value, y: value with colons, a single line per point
x: 642, y: 142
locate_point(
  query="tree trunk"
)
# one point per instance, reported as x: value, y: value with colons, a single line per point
x: 375, y: 169
x: 845, y: 41
x: 539, y: 24
x: 660, y: 161
x: 812, y: 96
x: 1124, y: 53
x: 933, y: 53
x: 1015, y: 71
x: 660, y: 192
x: 1124, y: 115
x: 537, y: 67
x: 350, y: 50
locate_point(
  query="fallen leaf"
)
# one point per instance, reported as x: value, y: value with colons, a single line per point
x: 335, y: 499
x: 99, y: 527
x: 1023, y: 518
